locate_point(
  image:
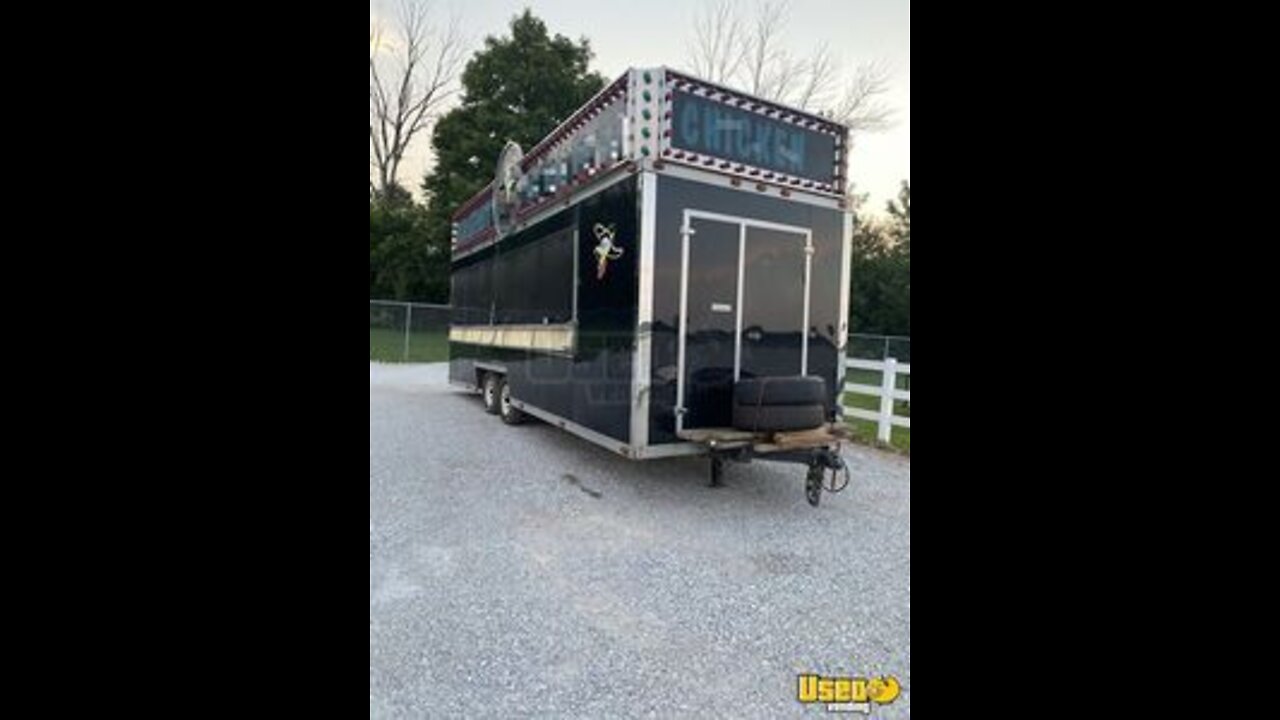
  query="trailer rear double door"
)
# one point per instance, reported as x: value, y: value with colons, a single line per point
x: 745, y: 309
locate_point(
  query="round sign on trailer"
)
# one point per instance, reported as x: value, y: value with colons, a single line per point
x: 506, y: 188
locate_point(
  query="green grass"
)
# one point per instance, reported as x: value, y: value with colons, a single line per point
x: 387, y: 345
x: 899, y: 437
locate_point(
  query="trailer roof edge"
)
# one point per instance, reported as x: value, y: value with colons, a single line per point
x: 608, y: 91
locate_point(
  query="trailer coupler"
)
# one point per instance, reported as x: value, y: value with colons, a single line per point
x: 821, y: 460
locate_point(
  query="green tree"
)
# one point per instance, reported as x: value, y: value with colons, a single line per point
x: 880, y: 291
x: 518, y: 87
x: 900, y: 212
x: 400, y: 258
x: 870, y: 248
x: 898, y: 293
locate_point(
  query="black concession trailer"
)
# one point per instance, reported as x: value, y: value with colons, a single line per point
x: 666, y: 273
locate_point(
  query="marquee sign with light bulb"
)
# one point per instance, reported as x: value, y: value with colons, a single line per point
x: 716, y: 128
x: 649, y: 117
x: 741, y: 137
x: 582, y: 149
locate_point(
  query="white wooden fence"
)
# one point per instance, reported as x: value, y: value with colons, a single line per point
x: 887, y: 392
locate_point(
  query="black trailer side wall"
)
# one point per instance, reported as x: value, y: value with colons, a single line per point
x: 674, y: 196
x: 593, y: 387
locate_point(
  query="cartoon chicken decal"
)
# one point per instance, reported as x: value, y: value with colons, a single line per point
x: 605, y: 249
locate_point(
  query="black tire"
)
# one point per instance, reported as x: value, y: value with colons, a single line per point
x: 797, y: 390
x: 509, y: 413
x: 489, y: 386
x: 770, y: 418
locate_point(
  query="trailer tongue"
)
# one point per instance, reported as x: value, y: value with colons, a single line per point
x: 817, y: 448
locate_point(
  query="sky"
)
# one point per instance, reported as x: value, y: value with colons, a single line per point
x: 646, y: 33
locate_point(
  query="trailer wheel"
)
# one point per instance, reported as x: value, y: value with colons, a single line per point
x: 717, y: 471
x: 489, y: 391
x: 813, y: 485
x: 511, y: 414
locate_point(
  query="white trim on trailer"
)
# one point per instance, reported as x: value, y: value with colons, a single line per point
x: 641, y: 361
x: 674, y: 449
x: 556, y: 339
x: 685, y: 231
x: 804, y: 326
x: 846, y: 258
x: 608, y: 443
x: 737, y: 329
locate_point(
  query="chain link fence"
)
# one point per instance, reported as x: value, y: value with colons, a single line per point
x: 864, y: 346
x: 408, y: 332
x: 419, y: 332
x: 880, y: 347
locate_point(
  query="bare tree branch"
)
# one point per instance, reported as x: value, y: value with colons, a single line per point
x: 860, y: 108
x: 716, y: 52
x: 728, y: 49
x: 781, y: 81
x: 764, y: 52
x: 821, y: 71
x: 427, y: 61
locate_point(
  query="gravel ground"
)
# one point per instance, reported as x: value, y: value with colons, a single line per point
x: 518, y: 571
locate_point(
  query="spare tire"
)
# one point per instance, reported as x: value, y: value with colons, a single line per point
x: 771, y: 418
x: 795, y: 390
